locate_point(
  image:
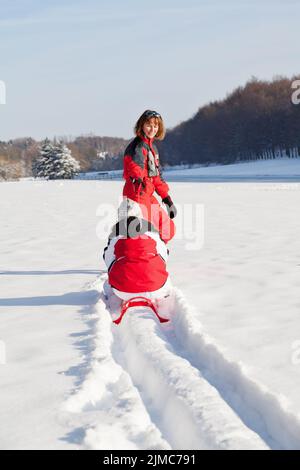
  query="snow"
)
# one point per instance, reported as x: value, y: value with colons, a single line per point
x: 222, y: 374
x: 279, y: 168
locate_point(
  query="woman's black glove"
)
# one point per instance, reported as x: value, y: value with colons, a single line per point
x: 170, y: 207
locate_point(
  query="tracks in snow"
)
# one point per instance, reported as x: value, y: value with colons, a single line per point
x: 153, y: 386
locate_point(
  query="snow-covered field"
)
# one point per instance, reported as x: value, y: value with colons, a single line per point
x: 279, y: 169
x: 223, y: 374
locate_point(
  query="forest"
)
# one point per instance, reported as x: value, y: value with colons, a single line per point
x: 259, y: 120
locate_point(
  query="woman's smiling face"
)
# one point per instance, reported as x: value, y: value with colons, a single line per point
x: 150, y: 128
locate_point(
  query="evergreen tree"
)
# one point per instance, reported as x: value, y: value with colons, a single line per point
x: 55, y: 162
x: 64, y: 165
x: 41, y: 166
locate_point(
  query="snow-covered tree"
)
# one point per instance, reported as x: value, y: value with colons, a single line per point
x: 64, y: 165
x: 55, y: 162
x: 41, y: 165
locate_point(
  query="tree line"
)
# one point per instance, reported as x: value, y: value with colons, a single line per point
x: 257, y: 121
x: 254, y: 121
x: 18, y: 157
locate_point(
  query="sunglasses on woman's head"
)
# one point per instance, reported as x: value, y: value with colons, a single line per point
x: 150, y: 113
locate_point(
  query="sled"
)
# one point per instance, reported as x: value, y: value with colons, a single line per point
x: 139, y: 302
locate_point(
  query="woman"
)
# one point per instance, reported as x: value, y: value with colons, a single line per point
x: 142, y: 174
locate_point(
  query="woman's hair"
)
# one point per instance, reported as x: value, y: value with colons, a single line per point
x: 147, y: 116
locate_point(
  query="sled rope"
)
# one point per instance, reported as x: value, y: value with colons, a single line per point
x: 138, y: 302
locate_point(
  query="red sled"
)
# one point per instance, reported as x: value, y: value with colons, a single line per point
x: 138, y: 302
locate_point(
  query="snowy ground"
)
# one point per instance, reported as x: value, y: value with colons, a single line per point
x: 279, y: 169
x: 223, y: 374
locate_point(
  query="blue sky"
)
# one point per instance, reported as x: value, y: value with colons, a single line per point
x: 85, y: 66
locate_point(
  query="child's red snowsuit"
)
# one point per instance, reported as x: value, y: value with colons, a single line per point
x: 141, y: 160
x: 136, y: 264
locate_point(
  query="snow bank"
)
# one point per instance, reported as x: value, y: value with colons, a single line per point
x: 148, y: 395
x: 281, y: 167
x: 261, y: 410
x: 116, y: 417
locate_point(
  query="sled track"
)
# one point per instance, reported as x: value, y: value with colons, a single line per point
x: 154, y: 386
